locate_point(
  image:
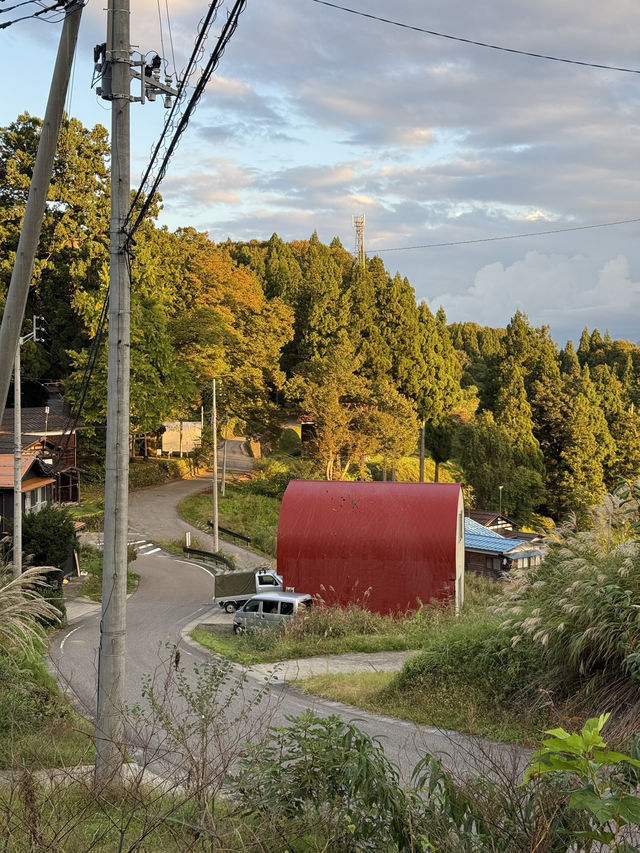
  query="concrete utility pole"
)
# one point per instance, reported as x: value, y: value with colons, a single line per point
x: 111, y: 656
x: 113, y: 62
x: 224, y: 456
x: 17, y: 466
x: 214, y: 431
x: 17, y: 452
x: 18, y: 292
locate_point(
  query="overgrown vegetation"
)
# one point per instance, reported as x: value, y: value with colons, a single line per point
x: 36, y: 723
x: 91, y: 563
x: 560, y: 640
x: 250, y: 514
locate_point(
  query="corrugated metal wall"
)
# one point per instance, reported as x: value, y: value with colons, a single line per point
x: 395, y: 544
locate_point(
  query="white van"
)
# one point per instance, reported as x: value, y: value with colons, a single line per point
x: 269, y: 610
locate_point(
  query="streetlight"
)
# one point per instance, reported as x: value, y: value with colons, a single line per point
x: 500, y: 488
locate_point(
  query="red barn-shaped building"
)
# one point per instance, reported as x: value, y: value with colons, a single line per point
x: 402, y: 541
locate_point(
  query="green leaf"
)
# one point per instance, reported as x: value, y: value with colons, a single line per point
x: 603, y: 808
x: 630, y: 809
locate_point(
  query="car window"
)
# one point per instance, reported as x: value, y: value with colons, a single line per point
x: 308, y: 602
x: 251, y: 606
x: 286, y: 608
x: 267, y: 580
x: 269, y: 606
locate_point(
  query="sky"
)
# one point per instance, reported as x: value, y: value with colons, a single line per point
x: 317, y: 114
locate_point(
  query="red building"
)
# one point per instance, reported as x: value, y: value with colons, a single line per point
x: 398, y: 543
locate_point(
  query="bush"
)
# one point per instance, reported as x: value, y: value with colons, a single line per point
x: 474, y: 652
x: 331, y: 779
x: 579, y: 609
x: 155, y: 472
x: 49, y: 539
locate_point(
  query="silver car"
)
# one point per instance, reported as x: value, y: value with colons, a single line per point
x: 269, y: 610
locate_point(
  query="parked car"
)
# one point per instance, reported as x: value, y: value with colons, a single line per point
x: 269, y: 610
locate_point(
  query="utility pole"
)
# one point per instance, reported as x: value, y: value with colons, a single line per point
x: 214, y: 438
x: 224, y: 456
x: 17, y: 452
x: 111, y: 655
x: 113, y: 62
x: 17, y: 466
x: 18, y: 292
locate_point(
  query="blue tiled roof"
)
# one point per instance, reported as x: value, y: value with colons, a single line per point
x: 480, y: 538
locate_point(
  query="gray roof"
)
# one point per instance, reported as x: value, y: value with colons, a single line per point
x: 36, y: 422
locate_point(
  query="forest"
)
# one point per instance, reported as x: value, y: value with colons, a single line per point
x: 300, y: 328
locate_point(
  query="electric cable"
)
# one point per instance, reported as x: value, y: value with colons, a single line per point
x: 510, y: 236
x: 36, y: 15
x: 161, y: 35
x: 173, y: 56
x: 198, y: 49
x: 92, y: 358
x: 484, y: 44
x: 227, y: 31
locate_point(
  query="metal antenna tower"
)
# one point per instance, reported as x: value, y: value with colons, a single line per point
x: 358, y: 224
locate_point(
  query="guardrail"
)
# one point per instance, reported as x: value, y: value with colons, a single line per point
x: 208, y: 555
x: 231, y: 533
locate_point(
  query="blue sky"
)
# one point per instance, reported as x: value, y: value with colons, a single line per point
x: 317, y: 114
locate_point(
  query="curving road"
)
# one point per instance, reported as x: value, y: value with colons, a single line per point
x: 172, y: 596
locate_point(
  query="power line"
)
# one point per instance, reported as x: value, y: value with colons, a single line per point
x: 478, y: 43
x: 509, y: 236
x: 227, y: 31
x: 36, y: 15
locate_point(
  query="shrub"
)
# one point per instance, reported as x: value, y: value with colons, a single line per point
x: 579, y: 608
x: 330, y: 778
x: 155, y: 472
x: 474, y: 652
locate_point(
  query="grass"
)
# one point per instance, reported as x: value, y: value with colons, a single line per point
x: 274, y: 646
x: 38, y: 728
x: 91, y: 562
x: 251, y: 515
x: 451, y: 707
x: 73, y: 818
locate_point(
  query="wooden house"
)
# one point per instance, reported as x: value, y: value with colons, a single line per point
x: 49, y: 435
x: 37, y: 484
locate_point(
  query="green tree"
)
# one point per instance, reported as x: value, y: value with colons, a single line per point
x: 73, y: 247
x: 513, y: 414
x: 487, y: 458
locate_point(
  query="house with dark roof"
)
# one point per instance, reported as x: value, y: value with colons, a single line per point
x: 488, y: 553
x: 48, y: 434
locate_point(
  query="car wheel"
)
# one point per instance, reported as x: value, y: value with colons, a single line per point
x: 238, y: 629
x: 230, y: 607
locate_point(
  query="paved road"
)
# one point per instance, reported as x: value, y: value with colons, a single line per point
x: 173, y: 596
x: 153, y: 514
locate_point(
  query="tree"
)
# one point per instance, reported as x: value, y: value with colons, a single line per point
x: 73, y: 247
x: 328, y: 390
x: 439, y: 388
x: 439, y: 437
x: 488, y: 461
x: 513, y: 414
x: 587, y: 447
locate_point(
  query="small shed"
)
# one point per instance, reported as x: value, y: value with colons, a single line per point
x: 398, y: 543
